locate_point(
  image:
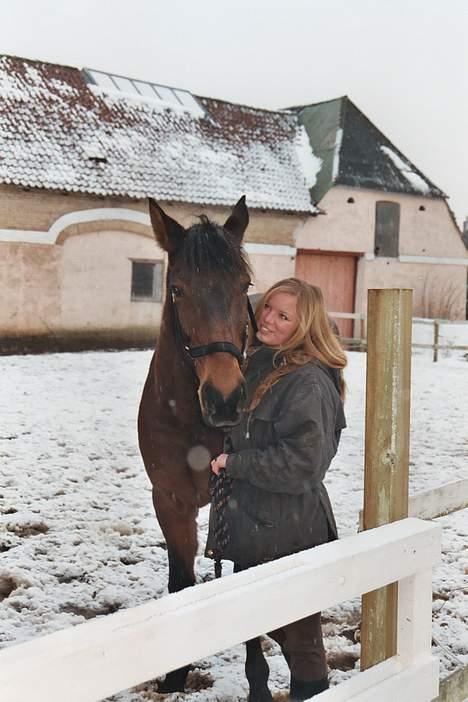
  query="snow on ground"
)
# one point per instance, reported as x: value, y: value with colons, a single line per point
x: 78, y: 538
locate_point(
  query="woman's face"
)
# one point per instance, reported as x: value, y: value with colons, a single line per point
x: 278, y: 320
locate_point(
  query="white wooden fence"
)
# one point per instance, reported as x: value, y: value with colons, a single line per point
x: 436, y: 502
x: 442, y: 334
x: 93, y: 660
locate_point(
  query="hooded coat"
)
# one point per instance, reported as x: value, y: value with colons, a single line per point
x: 278, y: 457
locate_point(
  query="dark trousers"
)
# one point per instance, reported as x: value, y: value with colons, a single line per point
x: 302, y: 646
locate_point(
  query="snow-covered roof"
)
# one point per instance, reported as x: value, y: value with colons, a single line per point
x: 61, y: 131
x: 355, y: 153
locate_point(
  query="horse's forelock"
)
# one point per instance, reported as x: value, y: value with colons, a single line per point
x: 208, y: 248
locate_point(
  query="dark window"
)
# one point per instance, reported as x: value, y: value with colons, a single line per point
x: 147, y: 280
x: 387, y: 228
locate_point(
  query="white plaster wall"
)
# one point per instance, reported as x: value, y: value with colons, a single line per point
x: 95, y: 273
x: 269, y: 268
x: 350, y: 227
x: 438, y: 290
x: 29, y: 286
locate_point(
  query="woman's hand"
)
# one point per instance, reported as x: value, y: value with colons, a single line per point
x: 218, y: 463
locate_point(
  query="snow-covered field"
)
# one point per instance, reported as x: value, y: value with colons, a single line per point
x: 78, y: 538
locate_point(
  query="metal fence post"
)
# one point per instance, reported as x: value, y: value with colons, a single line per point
x: 389, y: 321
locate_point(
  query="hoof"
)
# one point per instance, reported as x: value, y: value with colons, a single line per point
x: 264, y: 696
x: 165, y: 687
x: 174, y: 681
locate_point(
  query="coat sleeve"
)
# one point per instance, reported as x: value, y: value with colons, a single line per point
x: 298, y: 460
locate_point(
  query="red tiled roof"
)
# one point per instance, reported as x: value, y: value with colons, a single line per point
x: 56, y: 132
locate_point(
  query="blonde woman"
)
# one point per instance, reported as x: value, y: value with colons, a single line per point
x: 275, y: 460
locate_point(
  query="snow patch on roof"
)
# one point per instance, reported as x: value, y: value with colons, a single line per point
x: 153, y: 104
x: 407, y: 171
x: 57, y: 131
x: 336, y: 155
x: 311, y: 164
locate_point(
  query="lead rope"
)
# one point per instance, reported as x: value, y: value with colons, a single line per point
x: 221, y: 484
x: 220, y: 488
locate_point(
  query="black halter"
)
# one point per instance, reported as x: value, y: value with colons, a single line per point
x: 216, y: 346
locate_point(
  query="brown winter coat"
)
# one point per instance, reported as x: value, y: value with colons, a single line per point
x: 279, y: 455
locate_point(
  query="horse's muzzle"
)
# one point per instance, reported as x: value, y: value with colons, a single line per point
x: 219, y: 411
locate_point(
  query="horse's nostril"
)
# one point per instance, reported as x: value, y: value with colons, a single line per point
x: 219, y: 410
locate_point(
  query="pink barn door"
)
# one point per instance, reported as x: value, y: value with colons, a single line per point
x: 335, y: 274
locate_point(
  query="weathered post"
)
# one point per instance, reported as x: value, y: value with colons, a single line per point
x: 435, y: 356
x: 389, y: 318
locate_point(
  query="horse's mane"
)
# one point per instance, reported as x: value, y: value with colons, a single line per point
x: 209, y: 248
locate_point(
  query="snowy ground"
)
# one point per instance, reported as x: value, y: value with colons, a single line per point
x: 78, y: 538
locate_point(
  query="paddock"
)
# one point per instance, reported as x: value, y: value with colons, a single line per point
x: 78, y: 535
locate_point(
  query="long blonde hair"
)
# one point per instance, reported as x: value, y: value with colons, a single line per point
x: 314, y: 338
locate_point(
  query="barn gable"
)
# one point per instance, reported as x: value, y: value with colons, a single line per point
x: 355, y: 153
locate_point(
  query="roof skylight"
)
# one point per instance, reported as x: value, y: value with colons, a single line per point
x: 163, y: 95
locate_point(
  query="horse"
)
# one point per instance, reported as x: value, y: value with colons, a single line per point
x: 195, y: 387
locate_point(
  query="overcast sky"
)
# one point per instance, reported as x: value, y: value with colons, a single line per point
x: 403, y: 62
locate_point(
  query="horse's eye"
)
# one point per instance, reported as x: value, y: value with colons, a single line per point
x: 246, y: 287
x: 175, y: 291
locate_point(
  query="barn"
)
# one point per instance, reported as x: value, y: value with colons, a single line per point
x: 81, y: 151
x: 385, y: 225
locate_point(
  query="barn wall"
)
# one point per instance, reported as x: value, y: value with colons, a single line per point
x: 350, y: 226
x: 269, y: 268
x: 430, y: 235
x: 74, y: 291
x: 438, y: 290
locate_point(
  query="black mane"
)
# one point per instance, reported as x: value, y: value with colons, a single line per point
x: 209, y: 248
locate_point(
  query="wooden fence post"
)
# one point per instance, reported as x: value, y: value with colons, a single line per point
x: 363, y: 344
x: 386, y: 460
x: 436, y: 340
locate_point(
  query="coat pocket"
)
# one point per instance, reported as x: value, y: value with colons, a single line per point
x: 252, y: 539
x: 261, y: 506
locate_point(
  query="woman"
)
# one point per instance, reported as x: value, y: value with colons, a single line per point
x: 274, y: 502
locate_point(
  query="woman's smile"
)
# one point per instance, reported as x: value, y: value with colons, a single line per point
x: 278, y: 319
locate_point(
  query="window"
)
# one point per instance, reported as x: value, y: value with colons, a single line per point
x: 147, y: 280
x: 387, y: 228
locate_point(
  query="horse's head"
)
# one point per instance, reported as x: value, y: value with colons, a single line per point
x: 207, y: 282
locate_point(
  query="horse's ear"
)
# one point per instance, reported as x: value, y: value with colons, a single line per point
x: 169, y: 233
x: 237, y: 222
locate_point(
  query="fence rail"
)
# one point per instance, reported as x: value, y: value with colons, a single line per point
x: 359, y: 340
x: 436, y: 502
x: 99, y: 658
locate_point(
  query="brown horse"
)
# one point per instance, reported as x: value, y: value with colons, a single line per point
x: 195, y: 384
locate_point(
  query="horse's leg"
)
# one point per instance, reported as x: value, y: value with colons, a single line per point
x: 178, y: 522
x: 257, y: 671
x: 179, y: 526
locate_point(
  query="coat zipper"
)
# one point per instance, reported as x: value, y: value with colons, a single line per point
x: 247, y: 431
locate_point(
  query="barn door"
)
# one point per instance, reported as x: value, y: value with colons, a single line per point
x: 335, y: 274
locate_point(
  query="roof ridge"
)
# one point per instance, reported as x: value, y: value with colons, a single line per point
x: 253, y: 108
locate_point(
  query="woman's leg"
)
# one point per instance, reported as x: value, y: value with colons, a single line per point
x: 302, y: 646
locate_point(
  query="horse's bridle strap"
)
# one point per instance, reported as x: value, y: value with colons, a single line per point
x: 215, y: 346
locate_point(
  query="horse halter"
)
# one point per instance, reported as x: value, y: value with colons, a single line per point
x: 216, y: 346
